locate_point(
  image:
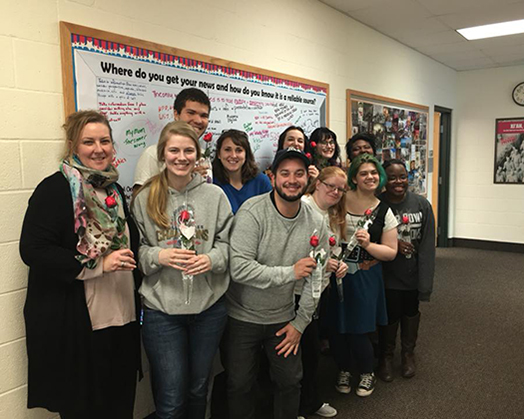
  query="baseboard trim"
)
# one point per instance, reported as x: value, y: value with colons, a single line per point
x: 487, y: 245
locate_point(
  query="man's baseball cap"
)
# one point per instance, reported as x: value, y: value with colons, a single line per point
x: 289, y: 153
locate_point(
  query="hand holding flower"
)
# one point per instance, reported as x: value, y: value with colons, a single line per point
x: 405, y: 248
x: 312, y: 171
x: 119, y: 260
x: 175, y: 258
x: 304, y: 267
x: 363, y: 238
x: 198, y: 265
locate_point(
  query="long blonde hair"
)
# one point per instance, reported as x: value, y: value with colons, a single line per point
x: 158, y: 192
x: 337, y: 212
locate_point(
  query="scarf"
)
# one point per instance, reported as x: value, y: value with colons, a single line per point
x: 100, y: 227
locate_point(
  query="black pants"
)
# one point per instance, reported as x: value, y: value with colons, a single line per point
x: 115, y: 361
x: 244, y: 341
x: 352, y: 352
x: 309, y: 395
x: 401, y: 304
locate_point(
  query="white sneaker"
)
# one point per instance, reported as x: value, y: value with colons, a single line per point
x: 326, y: 411
x: 366, y: 385
x: 343, y: 382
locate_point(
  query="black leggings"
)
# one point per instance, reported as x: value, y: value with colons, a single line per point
x: 401, y: 304
x: 351, y: 348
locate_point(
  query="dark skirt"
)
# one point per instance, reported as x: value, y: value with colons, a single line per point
x: 364, y: 305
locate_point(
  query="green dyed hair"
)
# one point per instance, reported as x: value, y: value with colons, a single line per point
x: 359, y: 161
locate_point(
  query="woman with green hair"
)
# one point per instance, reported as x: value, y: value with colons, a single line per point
x: 358, y: 303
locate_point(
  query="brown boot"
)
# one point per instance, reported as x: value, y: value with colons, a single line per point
x: 387, y: 338
x: 408, y: 337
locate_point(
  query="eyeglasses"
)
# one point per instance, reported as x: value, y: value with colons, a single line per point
x: 333, y: 188
x: 327, y: 143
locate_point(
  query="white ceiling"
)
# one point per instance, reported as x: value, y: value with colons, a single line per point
x: 428, y: 26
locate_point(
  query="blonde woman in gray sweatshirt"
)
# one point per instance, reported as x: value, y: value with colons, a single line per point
x: 184, y: 224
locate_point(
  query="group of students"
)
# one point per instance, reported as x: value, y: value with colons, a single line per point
x: 234, y: 265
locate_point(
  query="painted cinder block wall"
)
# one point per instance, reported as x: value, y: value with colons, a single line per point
x: 484, y: 210
x: 301, y: 37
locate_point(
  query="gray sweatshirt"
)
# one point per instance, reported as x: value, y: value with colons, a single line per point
x: 162, y: 286
x: 264, y: 247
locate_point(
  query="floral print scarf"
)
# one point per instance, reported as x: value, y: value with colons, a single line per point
x: 100, y: 226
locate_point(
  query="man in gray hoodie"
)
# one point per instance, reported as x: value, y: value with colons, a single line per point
x: 270, y: 247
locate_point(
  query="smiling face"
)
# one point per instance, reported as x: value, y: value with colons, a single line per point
x: 326, y: 147
x: 330, y: 191
x: 195, y: 114
x: 367, y: 178
x: 360, y: 147
x: 397, y: 183
x: 232, y: 156
x: 180, y: 155
x: 290, y: 179
x: 294, y: 138
x: 95, y: 146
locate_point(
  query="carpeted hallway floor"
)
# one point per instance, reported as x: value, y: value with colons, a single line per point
x: 470, y: 351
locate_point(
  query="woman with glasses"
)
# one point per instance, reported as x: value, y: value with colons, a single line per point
x: 327, y: 196
x: 359, y: 303
x: 324, y: 148
x: 235, y: 169
x: 409, y: 278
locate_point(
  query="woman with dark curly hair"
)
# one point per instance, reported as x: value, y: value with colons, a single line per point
x: 324, y: 148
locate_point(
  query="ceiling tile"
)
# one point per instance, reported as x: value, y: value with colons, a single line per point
x: 346, y: 6
x: 420, y: 38
x: 444, y: 7
x: 477, y: 16
x: 442, y: 48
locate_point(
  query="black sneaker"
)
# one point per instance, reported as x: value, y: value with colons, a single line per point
x: 343, y: 382
x: 366, y: 385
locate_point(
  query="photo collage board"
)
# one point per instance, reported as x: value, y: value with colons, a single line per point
x: 401, y: 131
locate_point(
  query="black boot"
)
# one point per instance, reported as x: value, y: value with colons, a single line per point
x: 408, y: 337
x: 387, y: 338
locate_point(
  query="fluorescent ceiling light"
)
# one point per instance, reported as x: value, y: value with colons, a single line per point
x: 493, y: 30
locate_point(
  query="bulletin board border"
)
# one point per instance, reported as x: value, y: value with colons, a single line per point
x: 147, y: 51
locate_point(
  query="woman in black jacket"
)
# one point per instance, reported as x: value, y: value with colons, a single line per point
x: 82, y: 310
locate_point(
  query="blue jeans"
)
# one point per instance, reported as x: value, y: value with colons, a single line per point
x: 244, y: 342
x: 180, y: 349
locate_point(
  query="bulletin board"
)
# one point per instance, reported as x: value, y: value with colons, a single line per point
x: 134, y: 83
x: 401, y: 129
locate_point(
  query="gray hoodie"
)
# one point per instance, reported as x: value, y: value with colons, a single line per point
x: 264, y: 247
x: 162, y: 287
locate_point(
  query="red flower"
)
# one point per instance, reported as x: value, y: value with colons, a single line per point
x: 208, y: 137
x: 368, y: 212
x: 110, y: 201
x: 332, y: 241
x: 184, y: 216
x: 313, y: 241
x: 405, y: 219
x: 313, y: 144
x: 308, y: 155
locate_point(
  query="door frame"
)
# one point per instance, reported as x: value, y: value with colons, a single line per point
x: 444, y: 169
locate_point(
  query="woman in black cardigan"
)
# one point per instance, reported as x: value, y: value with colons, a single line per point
x: 82, y: 310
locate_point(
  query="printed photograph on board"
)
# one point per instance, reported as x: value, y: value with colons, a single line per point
x: 509, y: 151
x: 401, y: 134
